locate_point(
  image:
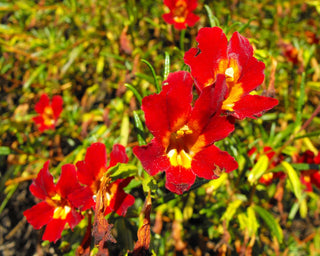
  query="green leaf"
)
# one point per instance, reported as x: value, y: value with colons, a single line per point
x: 231, y: 210
x: 153, y: 74
x: 4, y: 151
x: 271, y: 222
x: 258, y: 169
x: 124, y: 131
x: 166, y: 66
x: 293, y: 179
x: 139, y: 127
x: 135, y: 92
x: 212, y: 19
x: 33, y: 76
x: 122, y: 171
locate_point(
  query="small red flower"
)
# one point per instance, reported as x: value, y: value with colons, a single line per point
x: 184, y: 136
x: 181, y: 14
x: 310, y: 177
x: 48, y: 113
x: 267, y: 178
x: 235, y: 60
x: 91, y: 172
x: 57, y: 207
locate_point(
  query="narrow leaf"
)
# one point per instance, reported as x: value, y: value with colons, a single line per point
x: 153, y: 74
x: 212, y: 19
x: 294, y: 180
x: 271, y: 222
x: 258, y: 169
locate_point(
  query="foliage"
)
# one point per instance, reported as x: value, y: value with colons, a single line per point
x: 103, y: 58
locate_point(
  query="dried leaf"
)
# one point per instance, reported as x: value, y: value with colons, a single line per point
x: 142, y: 245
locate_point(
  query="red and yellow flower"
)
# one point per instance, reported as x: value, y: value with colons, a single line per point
x: 311, y: 176
x: 58, y: 206
x: 184, y: 136
x: 48, y: 112
x: 92, y: 170
x: 244, y: 73
x: 181, y: 14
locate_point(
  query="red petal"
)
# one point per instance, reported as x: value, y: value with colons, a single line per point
x: 91, y: 169
x: 120, y: 201
x: 53, y: 230
x: 218, y: 128
x: 118, y: 155
x: 180, y: 25
x: 152, y: 157
x: 39, y: 215
x: 68, y: 181
x: 56, y: 105
x: 204, y: 64
x: 240, y: 49
x: 42, y: 103
x: 168, y: 18
x: 209, y: 163
x: 169, y: 110
x: 43, y: 185
x: 170, y: 3
x: 192, y: 19
x: 82, y: 198
x: 315, y: 179
x: 208, y: 103
x: 192, y: 4
x: 73, y: 218
x: 179, y: 179
x: 253, y: 105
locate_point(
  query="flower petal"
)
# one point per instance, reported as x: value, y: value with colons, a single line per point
x: 73, y: 218
x: 211, y: 161
x: 56, y: 104
x: 210, y: 58
x: 169, y: 110
x: 208, y: 104
x: 91, y: 169
x: 43, y: 185
x: 82, y: 198
x: 53, y: 230
x: 39, y: 214
x: 253, y: 105
x: 68, y: 181
x: 179, y: 179
x: 121, y: 201
x: 192, y: 19
x: 152, y: 157
x: 218, y: 128
x: 118, y: 155
x: 42, y: 103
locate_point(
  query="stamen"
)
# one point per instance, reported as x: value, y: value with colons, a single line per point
x: 230, y: 73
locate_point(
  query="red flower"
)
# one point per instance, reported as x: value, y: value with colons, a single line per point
x: 91, y: 172
x: 267, y: 178
x: 57, y: 207
x: 235, y: 60
x: 310, y: 177
x: 184, y: 135
x: 48, y: 113
x: 181, y: 13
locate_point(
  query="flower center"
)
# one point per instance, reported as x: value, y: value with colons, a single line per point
x: 230, y: 74
x: 61, y: 207
x: 180, y: 12
x: 178, y: 151
x: 48, y: 116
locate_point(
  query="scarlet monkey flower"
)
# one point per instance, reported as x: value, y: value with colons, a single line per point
x: 235, y: 60
x: 91, y: 172
x: 181, y: 13
x: 57, y: 207
x: 310, y: 177
x: 184, y: 136
x: 267, y: 178
x: 48, y: 113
